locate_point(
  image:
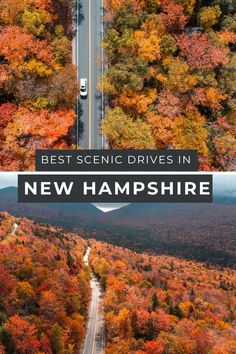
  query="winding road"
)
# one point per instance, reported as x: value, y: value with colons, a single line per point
x: 88, y: 57
x: 94, y: 340
x: 15, y: 227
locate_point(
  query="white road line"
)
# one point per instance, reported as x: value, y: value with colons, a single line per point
x: 77, y: 64
x: 95, y: 329
x: 102, y: 69
x: 90, y: 75
x: 94, y: 323
x: 86, y: 338
x: 85, y: 259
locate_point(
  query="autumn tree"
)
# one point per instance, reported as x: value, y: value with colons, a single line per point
x: 11, y: 11
x: 209, y: 16
x: 184, y: 52
x: 201, y: 52
x: 154, y: 347
x: 36, y: 21
x: 190, y: 133
x: 31, y: 130
x: 17, y: 46
x: 44, y: 299
x: 57, y: 339
x: 36, y: 74
x: 7, y: 111
x: 155, y: 302
x: 50, y: 307
x: 174, y: 17
x: 24, y: 335
x: 158, y: 310
x: 124, y: 133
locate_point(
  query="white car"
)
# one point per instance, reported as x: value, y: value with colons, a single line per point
x: 83, y: 87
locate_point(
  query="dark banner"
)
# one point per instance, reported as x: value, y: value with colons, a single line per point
x: 116, y: 160
x: 35, y: 188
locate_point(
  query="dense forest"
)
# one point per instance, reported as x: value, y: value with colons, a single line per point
x: 212, y: 245
x: 171, y: 77
x: 152, y: 304
x: 202, y: 232
x: 38, y: 87
x: 44, y: 289
x: 161, y: 304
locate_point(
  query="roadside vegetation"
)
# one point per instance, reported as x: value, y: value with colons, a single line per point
x: 38, y: 88
x: 164, y: 305
x: 153, y: 304
x: 171, y: 77
x: 44, y: 289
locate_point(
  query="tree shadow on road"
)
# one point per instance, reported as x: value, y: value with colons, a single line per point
x: 100, y: 105
x: 77, y: 16
x: 79, y: 126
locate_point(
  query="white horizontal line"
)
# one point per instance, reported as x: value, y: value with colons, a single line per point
x: 120, y: 173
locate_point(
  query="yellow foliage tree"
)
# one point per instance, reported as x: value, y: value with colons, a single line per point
x: 149, y: 47
x: 38, y: 67
x: 137, y: 102
x: 188, y: 5
x: 214, y: 97
x: 186, y: 308
x: 209, y: 16
x: 148, y: 39
x: 178, y: 77
x: 124, y: 323
x: 125, y: 133
x: 11, y: 11
x: 25, y: 292
x: 190, y: 133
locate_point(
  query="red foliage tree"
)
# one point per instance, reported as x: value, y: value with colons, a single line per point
x: 201, y: 52
x: 174, y: 17
x: 6, y: 112
x: 154, y: 347
x: 24, y: 335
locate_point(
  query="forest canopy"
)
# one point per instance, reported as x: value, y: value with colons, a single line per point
x: 171, y: 77
x: 164, y: 305
x: 38, y: 87
x: 44, y: 289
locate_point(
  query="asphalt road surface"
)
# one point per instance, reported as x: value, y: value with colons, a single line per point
x: 94, y: 340
x: 89, y: 59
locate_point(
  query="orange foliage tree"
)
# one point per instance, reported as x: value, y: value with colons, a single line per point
x: 161, y: 304
x: 37, y: 79
x: 44, y: 289
x: 184, y: 53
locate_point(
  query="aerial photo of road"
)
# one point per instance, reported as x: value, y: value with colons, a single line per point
x: 88, y: 56
x: 94, y: 340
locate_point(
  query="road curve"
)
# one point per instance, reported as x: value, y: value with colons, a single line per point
x: 15, y: 227
x: 94, y: 340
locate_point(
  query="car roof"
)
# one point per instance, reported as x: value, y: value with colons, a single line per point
x: 83, y: 81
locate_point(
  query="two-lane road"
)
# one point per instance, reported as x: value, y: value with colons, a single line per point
x: 88, y: 57
x: 94, y: 340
